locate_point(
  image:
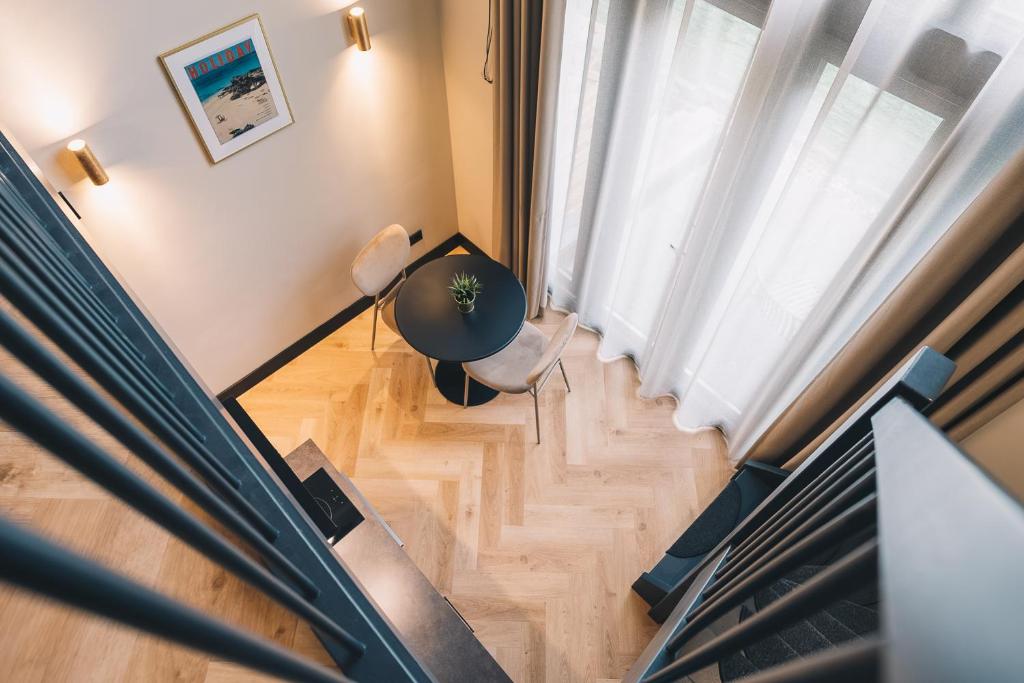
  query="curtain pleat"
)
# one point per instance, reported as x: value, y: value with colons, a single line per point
x: 528, y: 38
x: 963, y: 299
x: 749, y: 181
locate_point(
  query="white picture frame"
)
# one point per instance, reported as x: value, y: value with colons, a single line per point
x: 228, y: 84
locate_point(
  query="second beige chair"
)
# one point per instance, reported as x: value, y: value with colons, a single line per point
x: 376, y: 266
x: 525, y: 365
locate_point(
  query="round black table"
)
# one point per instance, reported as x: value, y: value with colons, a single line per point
x: 430, y: 322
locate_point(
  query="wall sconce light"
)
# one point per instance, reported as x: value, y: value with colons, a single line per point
x: 357, y: 29
x: 90, y: 164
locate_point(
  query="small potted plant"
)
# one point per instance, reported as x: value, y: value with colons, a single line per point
x: 464, y: 289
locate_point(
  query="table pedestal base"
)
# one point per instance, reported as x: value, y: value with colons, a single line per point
x: 450, y: 381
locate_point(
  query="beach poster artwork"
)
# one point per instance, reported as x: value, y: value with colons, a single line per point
x: 229, y: 85
x: 233, y: 90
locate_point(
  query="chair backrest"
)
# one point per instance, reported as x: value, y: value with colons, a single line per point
x: 559, y: 340
x: 381, y: 260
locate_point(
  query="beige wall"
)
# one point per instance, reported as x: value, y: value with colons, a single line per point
x: 999, y: 448
x: 470, y: 115
x: 237, y: 260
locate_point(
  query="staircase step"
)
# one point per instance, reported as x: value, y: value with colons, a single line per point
x: 736, y: 666
x: 840, y: 622
x: 802, y: 636
x: 803, y: 574
x: 858, y: 618
x: 854, y: 618
x: 767, y: 652
x: 831, y: 628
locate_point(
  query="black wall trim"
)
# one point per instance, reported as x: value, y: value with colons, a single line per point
x: 322, y: 331
x: 280, y: 467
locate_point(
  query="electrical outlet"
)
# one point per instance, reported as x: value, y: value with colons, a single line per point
x: 416, y: 236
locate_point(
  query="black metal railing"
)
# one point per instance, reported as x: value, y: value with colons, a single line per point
x: 897, y: 512
x: 829, y: 500
x: 33, y: 563
x: 919, y: 381
x: 126, y: 378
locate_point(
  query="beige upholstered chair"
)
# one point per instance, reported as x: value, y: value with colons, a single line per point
x: 376, y: 266
x: 525, y: 365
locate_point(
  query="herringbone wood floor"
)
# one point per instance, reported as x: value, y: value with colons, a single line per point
x: 536, y: 545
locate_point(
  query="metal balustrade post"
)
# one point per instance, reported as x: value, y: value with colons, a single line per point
x: 47, y: 245
x: 24, y: 347
x: 849, y: 522
x: 35, y: 564
x: 108, y: 372
x: 49, y: 264
x: 850, y: 573
x: 823, y: 479
x: 860, y: 489
x: 798, y: 515
x: 84, y: 326
x: 36, y: 248
x: 31, y: 418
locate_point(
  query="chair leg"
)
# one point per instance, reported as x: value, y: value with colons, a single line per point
x: 536, y: 413
x: 373, y: 338
x: 465, y: 393
x: 561, y: 367
x: 430, y: 370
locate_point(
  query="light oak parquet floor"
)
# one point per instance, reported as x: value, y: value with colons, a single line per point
x: 537, y: 546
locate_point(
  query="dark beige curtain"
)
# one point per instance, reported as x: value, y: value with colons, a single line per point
x: 528, y: 39
x: 964, y: 299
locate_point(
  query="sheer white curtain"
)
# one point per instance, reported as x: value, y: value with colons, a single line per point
x: 739, y: 183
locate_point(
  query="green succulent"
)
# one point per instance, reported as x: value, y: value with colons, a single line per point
x: 464, y: 288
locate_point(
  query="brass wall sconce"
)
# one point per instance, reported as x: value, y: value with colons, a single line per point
x: 90, y: 164
x: 357, y: 28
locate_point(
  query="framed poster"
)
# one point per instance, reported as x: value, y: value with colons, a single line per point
x: 228, y: 84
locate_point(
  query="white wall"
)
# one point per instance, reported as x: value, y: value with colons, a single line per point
x: 999, y: 448
x: 471, y: 115
x: 237, y: 260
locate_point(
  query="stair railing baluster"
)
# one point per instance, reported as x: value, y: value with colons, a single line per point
x: 38, y: 565
x: 855, y: 662
x: 30, y: 352
x: 854, y: 570
x: 856, y: 518
x: 47, y: 265
x: 797, y: 516
x: 27, y: 415
x: 83, y: 327
x: 860, y: 490
x: 834, y: 471
x: 110, y: 374
x: 47, y: 245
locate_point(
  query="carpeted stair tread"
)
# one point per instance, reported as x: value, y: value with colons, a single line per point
x: 840, y: 622
x: 802, y: 636
x: 831, y: 628
x: 769, y: 651
x: 866, y: 597
x: 857, y: 618
x: 714, y: 524
x: 736, y: 666
x: 804, y: 573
